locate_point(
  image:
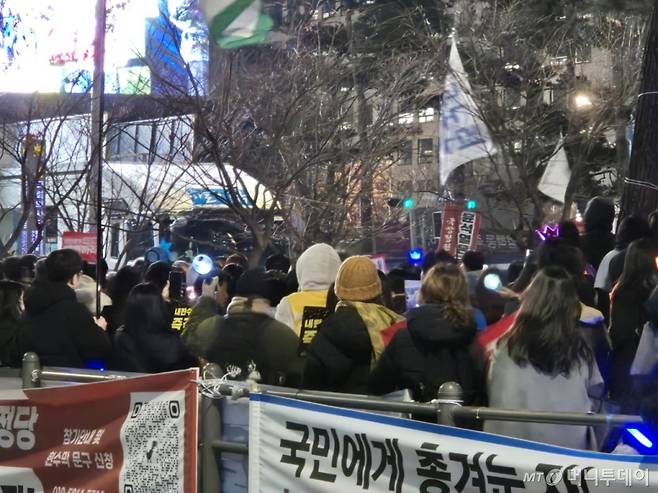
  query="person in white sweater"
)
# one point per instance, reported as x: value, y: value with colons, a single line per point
x: 544, y: 363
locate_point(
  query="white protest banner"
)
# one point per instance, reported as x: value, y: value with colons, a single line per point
x: 557, y: 174
x: 464, y: 137
x: 297, y: 446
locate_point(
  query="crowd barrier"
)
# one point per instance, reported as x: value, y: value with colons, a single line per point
x: 223, y: 423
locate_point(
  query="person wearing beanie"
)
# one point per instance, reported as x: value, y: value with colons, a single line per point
x: 248, y: 338
x: 350, y: 341
x: 316, y: 269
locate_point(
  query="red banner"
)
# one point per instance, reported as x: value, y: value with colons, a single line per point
x: 459, y: 230
x: 129, y: 435
x: 83, y: 243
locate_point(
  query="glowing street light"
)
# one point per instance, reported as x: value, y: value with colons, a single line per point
x: 582, y: 101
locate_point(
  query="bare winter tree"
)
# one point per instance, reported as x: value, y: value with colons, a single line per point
x: 526, y: 66
x: 44, y: 163
x: 314, y: 121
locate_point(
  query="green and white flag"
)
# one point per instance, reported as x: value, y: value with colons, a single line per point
x: 236, y: 23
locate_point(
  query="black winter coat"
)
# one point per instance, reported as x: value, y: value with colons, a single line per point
x: 250, y: 339
x: 61, y: 330
x: 150, y: 352
x: 598, y: 239
x: 431, y: 351
x: 338, y: 358
x: 595, y: 245
x: 9, y: 351
x: 627, y: 318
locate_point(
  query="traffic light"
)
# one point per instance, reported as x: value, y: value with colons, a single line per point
x: 408, y: 203
x: 471, y: 204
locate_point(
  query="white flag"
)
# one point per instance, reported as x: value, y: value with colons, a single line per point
x: 557, y: 174
x: 464, y: 136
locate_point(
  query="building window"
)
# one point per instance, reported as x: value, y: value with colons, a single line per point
x: 425, y: 151
x: 405, y: 153
x: 426, y: 115
x: 406, y: 118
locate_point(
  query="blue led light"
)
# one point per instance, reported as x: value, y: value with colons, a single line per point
x: 415, y: 255
x: 640, y: 437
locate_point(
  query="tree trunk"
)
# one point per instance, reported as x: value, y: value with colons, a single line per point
x: 366, y: 199
x: 641, y: 200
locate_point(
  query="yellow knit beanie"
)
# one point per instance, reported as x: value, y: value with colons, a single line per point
x: 357, y: 280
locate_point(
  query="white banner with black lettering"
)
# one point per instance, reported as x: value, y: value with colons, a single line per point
x: 297, y: 446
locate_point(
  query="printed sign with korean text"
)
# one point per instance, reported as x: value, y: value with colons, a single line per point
x: 297, y: 446
x: 459, y: 230
x: 128, y: 435
x: 83, y: 243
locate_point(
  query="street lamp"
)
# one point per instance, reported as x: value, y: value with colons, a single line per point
x: 582, y: 101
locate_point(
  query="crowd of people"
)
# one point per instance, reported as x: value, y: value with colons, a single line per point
x: 561, y: 330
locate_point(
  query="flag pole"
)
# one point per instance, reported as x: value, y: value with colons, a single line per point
x: 96, y: 169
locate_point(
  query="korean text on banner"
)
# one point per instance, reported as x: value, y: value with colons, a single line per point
x: 464, y: 137
x: 130, y: 435
x: 83, y: 243
x: 300, y: 446
x: 459, y: 230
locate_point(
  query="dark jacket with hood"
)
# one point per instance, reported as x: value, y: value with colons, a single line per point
x: 249, y: 339
x: 338, y: 359
x: 61, y: 330
x: 598, y: 238
x: 431, y: 351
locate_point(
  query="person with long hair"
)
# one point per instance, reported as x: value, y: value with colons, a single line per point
x: 627, y: 314
x: 544, y: 363
x: 11, y: 311
x: 631, y: 228
x: 433, y: 349
x: 146, y: 343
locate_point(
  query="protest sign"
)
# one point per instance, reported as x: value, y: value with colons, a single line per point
x: 301, y: 446
x: 128, y: 435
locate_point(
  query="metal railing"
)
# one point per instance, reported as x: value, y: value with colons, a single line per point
x: 446, y: 408
x: 32, y: 373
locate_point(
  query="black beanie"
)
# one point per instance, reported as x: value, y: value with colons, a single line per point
x: 254, y: 283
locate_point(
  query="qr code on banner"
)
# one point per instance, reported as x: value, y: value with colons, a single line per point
x: 152, y: 438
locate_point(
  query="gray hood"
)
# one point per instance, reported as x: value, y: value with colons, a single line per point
x: 317, y: 267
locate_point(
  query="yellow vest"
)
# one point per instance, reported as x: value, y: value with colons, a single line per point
x: 302, y: 299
